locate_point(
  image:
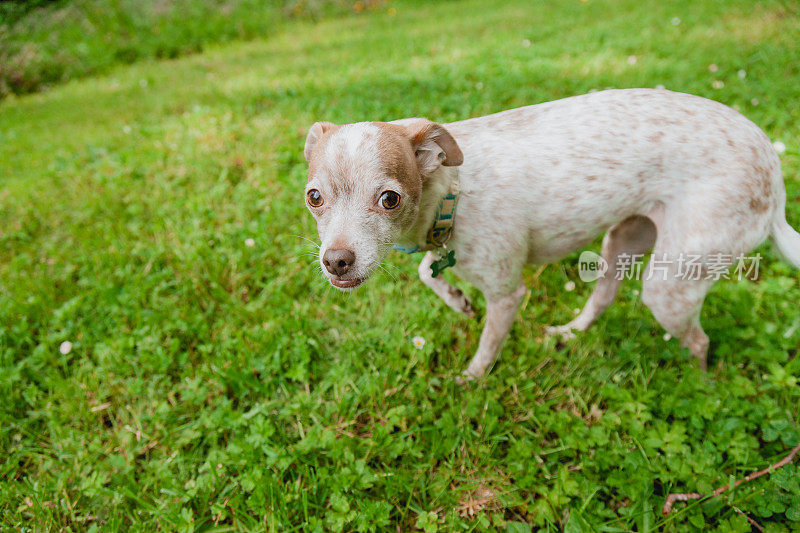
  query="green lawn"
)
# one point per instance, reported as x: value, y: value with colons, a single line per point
x: 212, y: 385
x: 45, y: 42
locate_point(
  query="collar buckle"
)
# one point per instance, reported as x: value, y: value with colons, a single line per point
x: 444, y: 219
x: 442, y: 229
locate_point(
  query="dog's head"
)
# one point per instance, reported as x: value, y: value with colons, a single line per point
x: 364, y: 186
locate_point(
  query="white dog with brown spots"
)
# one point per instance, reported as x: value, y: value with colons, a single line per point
x: 656, y: 170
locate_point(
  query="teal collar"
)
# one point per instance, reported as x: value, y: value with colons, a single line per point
x: 444, y: 219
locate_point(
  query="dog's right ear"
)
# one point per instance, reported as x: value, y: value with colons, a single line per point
x: 432, y: 144
x: 315, y: 133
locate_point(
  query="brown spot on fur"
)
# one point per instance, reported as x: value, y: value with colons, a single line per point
x: 397, y: 156
x: 759, y: 205
x: 455, y: 292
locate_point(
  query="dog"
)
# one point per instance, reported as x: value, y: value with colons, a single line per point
x: 653, y: 169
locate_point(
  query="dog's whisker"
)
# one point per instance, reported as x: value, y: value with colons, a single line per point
x: 305, y: 239
x: 384, y: 263
x: 387, y: 271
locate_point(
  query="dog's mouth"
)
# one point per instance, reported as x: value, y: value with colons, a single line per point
x: 346, y: 283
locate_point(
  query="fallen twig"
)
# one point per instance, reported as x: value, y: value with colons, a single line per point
x: 749, y: 520
x: 101, y: 407
x: 686, y: 496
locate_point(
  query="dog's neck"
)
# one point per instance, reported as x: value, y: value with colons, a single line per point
x: 435, y: 187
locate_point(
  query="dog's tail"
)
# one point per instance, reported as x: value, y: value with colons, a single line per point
x: 786, y: 239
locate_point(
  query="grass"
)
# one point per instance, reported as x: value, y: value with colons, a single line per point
x: 47, y: 42
x: 212, y: 385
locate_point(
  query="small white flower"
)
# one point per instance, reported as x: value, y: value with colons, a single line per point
x: 419, y: 342
x: 569, y: 286
x: 142, y: 83
x: 636, y: 292
x: 660, y: 87
x: 249, y: 242
x: 65, y: 347
x: 126, y: 129
x: 779, y: 147
x: 632, y: 60
x: 713, y: 67
x: 577, y: 310
x: 479, y: 85
x: 754, y: 101
x: 742, y: 73
x: 667, y: 336
x: 676, y: 21
x: 718, y: 84
x: 526, y: 43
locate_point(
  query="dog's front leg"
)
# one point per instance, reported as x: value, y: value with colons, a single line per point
x: 500, y: 314
x: 451, y: 295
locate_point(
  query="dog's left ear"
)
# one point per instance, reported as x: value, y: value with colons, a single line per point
x: 433, y: 146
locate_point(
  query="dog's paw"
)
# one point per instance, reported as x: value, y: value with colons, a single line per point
x: 475, y: 370
x: 565, y: 332
x: 465, y: 378
x: 467, y: 309
x: 459, y: 302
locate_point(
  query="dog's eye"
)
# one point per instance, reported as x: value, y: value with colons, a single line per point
x: 314, y: 198
x: 390, y: 199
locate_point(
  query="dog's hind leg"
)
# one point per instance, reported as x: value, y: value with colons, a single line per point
x: 696, y: 237
x: 452, y: 296
x: 676, y: 303
x: 623, y: 242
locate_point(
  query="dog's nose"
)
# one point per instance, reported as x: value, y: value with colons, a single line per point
x: 338, y: 261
